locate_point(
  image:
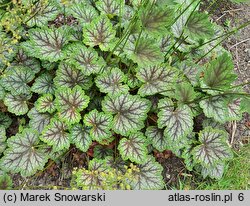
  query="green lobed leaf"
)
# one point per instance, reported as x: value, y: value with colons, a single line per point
x: 24, y: 154
x: 234, y: 109
x: 38, y: 120
x: 198, y: 26
x: 156, y: 19
x: 219, y: 74
x: 68, y: 76
x: 2, y: 92
x: 190, y: 70
x: 157, y: 138
x: 17, y: 104
x: 91, y: 179
x: 80, y: 136
x: 5, y: 181
x: 129, y: 112
x: 43, y: 84
x: 245, y: 104
x: 165, y: 42
x: 5, y: 120
x: 70, y: 102
x: 143, y: 51
x: 156, y: 79
x: 42, y: 12
x: 111, y: 7
x: 213, y: 148
x: 134, y: 148
x: 2, y: 139
x: 215, y: 107
x: 22, y: 59
x: 100, y: 33
x: 56, y: 135
x: 48, y: 43
x: 85, y: 59
x: 209, y: 122
x: 16, y: 80
x: 83, y: 12
x: 149, y: 176
x: 178, y: 121
x: 102, y: 152
x: 49, y: 65
x: 45, y: 103
x: 213, y: 171
x: 133, y: 81
x: 100, y: 124
x: 111, y: 82
x: 184, y: 93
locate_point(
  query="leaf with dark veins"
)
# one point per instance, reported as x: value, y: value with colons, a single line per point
x: 134, y: 148
x: 129, y: 112
x: 213, y: 147
x: 24, y: 154
x: 56, y: 135
x: 100, y: 33
x: 48, y: 43
x: 178, y: 121
x: 70, y: 102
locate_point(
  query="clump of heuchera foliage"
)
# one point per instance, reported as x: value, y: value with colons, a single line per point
x: 122, y: 78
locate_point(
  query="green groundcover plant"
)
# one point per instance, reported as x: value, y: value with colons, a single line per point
x: 123, y: 77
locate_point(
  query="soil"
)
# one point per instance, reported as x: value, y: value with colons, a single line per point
x: 225, y: 14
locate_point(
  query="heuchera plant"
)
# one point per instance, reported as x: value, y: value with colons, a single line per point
x: 130, y: 78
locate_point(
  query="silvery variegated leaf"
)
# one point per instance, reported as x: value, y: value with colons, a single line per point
x: 156, y: 79
x: 156, y: 19
x: 2, y: 139
x: 69, y: 104
x: 80, y: 136
x: 111, y: 7
x: 43, y: 84
x: 42, y: 12
x: 91, y: 179
x: 178, y: 122
x: 148, y: 176
x: 184, y: 93
x: 83, y: 12
x: 190, y: 70
x: 16, y: 80
x: 45, y: 103
x: 129, y: 112
x: 234, y: 109
x: 17, y: 104
x: 198, y: 26
x: 68, y: 76
x: 47, y: 43
x: 38, y: 120
x: 2, y: 92
x: 24, y: 154
x: 157, y: 138
x: 143, y: 51
x: 213, y: 148
x: 22, y: 59
x: 215, y: 107
x: 213, y: 171
x: 134, y: 148
x: 5, y: 120
x: 100, y: 123
x: 102, y: 152
x: 85, y: 59
x: 55, y: 134
x: 100, y: 33
x: 111, y: 82
x: 218, y: 75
